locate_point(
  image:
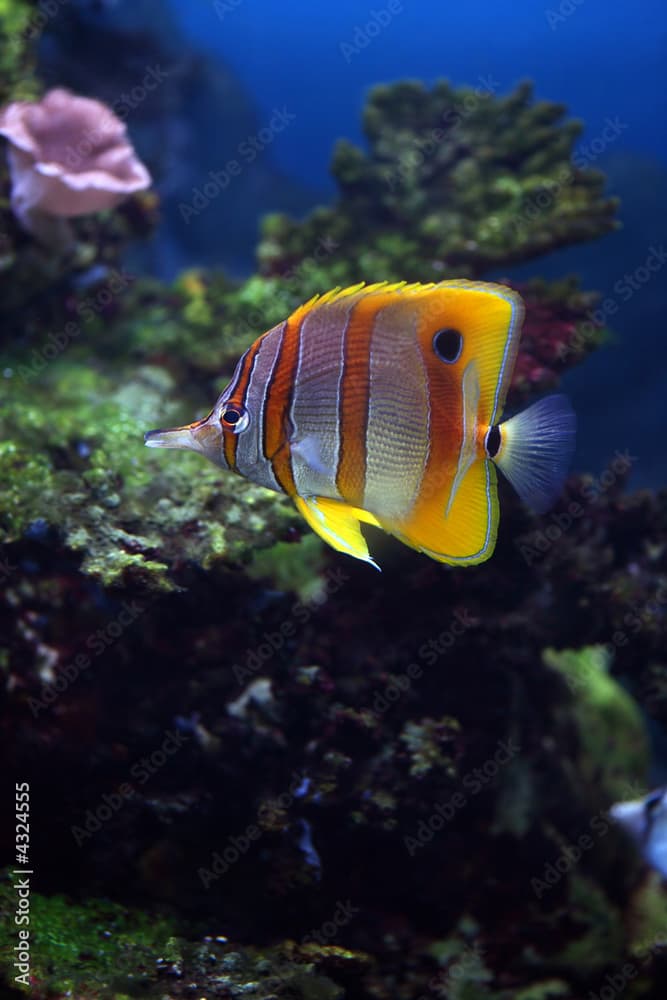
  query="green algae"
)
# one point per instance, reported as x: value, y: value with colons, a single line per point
x: 98, y: 947
x: 548, y: 989
x: 613, y: 745
x: 647, y: 921
x: 80, y: 465
x: 106, y: 951
x: 20, y: 24
x: 298, y: 569
x: 464, y: 974
x: 601, y: 932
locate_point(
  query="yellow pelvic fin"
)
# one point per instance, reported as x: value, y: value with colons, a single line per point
x: 338, y: 524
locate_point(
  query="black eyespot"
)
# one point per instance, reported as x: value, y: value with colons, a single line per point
x: 448, y: 344
x: 235, y: 418
x: 492, y: 443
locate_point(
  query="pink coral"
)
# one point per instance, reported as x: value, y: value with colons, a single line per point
x: 559, y: 329
x: 67, y: 156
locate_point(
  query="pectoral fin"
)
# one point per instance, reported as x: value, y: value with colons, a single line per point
x: 309, y: 451
x: 338, y: 524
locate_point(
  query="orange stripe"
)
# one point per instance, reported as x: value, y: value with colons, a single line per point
x: 238, y: 398
x: 355, y: 396
x: 229, y: 445
x: 446, y: 432
x: 278, y: 402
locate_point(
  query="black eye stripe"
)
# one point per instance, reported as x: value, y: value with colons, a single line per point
x: 448, y: 344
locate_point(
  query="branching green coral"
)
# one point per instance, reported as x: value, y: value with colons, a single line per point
x: 455, y: 182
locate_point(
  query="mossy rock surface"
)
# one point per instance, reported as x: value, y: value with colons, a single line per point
x: 72, y: 458
x: 101, y: 950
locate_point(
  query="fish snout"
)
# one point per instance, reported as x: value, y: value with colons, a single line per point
x: 631, y: 816
x: 203, y: 436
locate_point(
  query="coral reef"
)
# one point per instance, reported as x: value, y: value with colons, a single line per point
x: 254, y: 770
x: 454, y: 182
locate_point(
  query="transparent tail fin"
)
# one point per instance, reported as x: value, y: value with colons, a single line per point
x: 536, y: 448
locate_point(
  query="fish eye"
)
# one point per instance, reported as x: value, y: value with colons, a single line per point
x: 652, y: 801
x: 235, y: 418
x: 448, y: 344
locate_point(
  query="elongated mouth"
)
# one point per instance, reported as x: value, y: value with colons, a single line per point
x: 632, y: 817
x: 190, y: 437
x: 176, y: 437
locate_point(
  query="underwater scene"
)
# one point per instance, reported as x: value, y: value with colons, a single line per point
x: 333, y: 500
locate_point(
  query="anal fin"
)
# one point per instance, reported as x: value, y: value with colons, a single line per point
x: 338, y: 524
x: 467, y: 535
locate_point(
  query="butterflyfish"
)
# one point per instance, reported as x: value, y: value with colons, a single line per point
x: 381, y: 404
x: 645, y: 820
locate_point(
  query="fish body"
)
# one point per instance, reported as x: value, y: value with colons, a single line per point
x: 381, y: 404
x: 645, y: 820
